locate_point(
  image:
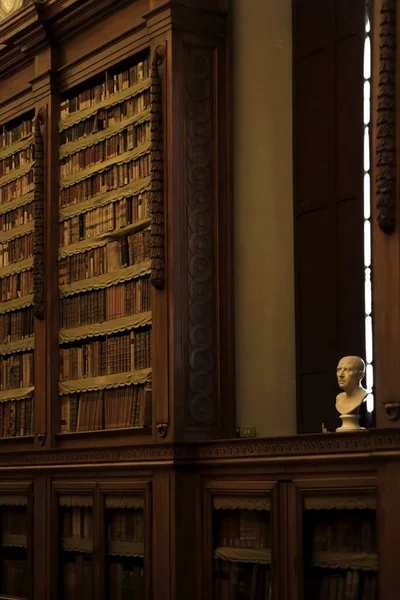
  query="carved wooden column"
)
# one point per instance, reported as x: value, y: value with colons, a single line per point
x: 385, y: 213
x: 45, y: 92
x: 198, y: 302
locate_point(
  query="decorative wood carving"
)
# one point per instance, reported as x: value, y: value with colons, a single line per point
x: 157, y: 174
x: 199, y: 109
x: 41, y: 437
x: 325, y: 444
x: 162, y: 429
x: 289, y: 449
x: 386, y: 119
x: 392, y: 410
x: 8, y: 7
x: 38, y: 214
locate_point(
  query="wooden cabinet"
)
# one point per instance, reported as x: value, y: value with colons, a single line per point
x: 337, y: 549
x: 238, y: 539
x: 103, y: 540
x: 115, y: 225
x: 16, y: 542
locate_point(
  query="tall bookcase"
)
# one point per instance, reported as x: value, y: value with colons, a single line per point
x: 17, y: 223
x: 106, y: 241
x: 116, y: 303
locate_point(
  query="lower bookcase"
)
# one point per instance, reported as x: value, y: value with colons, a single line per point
x: 241, y: 540
x: 340, y: 547
x: 125, y: 547
x: 103, y: 541
x: 15, y: 545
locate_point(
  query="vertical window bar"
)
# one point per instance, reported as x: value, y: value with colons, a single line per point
x: 369, y: 377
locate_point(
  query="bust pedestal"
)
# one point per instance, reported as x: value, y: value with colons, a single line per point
x: 350, y: 422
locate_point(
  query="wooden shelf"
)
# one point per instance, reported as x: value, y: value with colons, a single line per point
x: 106, y: 280
x: 102, y: 239
x: 14, y: 541
x: 105, y: 382
x: 345, y: 560
x: 105, y: 327
x: 133, y: 549
x: 84, y: 546
x: 111, y: 100
x: 247, y: 555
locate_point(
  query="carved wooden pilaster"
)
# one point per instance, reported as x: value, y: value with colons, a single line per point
x: 157, y: 174
x: 386, y: 119
x: 38, y: 208
x: 200, y: 196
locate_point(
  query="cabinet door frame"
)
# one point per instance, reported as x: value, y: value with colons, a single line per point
x: 231, y: 488
x: 23, y: 488
x: 117, y: 488
x: 351, y: 485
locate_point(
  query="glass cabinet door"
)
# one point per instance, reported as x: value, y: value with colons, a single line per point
x: 125, y: 547
x: 15, y: 527
x: 76, y: 546
x: 340, y: 549
x: 242, y: 547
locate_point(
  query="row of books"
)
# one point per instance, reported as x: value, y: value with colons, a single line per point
x: 126, y: 582
x: 16, y: 325
x: 10, y: 136
x: 16, y: 371
x: 105, y: 181
x: 244, y: 529
x: 16, y: 285
x: 117, y: 301
x: 113, y: 85
x: 77, y: 522
x: 125, y: 525
x: 16, y: 217
x: 104, y: 219
x: 130, y: 138
x: 124, y: 407
x: 17, y: 160
x: 117, y: 354
x: 106, y: 117
x: 242, y: 581
x: 16, y: 418
x: 348, y: 535
x: 77, y: 577
x: 346, y: 585
x: 113, y: 256
x: 15, y: 579
x: 17, y: 187
x: 15, y: 250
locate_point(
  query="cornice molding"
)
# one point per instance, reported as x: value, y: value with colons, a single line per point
x: 372, y: 444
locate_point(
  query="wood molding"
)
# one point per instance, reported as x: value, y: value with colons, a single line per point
x: 315, y: 447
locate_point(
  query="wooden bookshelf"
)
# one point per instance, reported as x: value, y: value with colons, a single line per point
x: 243, y: 542
x: 17, y: 212
x: 104, y: 256
x: 15, y: 568
x: 125, y: 547
x: 76, y: 548
x: 340, y: 551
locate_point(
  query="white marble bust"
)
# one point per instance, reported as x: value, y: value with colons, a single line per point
x: 350, y: 372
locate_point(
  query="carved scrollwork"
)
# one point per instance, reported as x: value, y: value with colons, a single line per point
x: 157, y: 174
x: 38, y: 214
x: 41, y: 437
x: 386, y: 119
x: 200, y: 200
x: 162, y: 429
x: 392, y: 410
